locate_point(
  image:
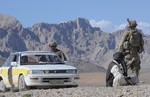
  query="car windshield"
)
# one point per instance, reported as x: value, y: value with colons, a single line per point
x: 40, y: 59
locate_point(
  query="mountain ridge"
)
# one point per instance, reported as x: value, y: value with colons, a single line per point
x: 80, y: 41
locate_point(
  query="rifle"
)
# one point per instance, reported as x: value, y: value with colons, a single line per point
x: 129, y: 21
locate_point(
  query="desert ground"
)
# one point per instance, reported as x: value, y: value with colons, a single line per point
x: 97, y: 79
x: 90, y: 85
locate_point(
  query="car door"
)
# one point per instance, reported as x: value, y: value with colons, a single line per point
x: 13, y: 71
x: 9, y: 72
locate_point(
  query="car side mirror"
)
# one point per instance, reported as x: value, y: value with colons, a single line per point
x: 13, y: 64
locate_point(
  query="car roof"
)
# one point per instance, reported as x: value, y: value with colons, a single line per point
x: 35, y: 53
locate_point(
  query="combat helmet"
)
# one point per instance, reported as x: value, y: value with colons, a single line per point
x: 53, y: 44
x: 132, y: 23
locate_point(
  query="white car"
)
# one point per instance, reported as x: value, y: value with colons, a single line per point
x: 39, y: 69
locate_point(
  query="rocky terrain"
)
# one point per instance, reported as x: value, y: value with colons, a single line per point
x: 127, y: 91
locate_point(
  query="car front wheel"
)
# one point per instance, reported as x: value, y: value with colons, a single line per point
x: 21, y: 83
x: 2, y: 86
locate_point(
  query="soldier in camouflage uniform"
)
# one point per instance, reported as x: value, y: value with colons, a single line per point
x: 58, y: 52
x: 132, y: 45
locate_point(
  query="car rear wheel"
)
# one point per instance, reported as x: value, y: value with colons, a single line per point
x: 21, y: 84
x: 2, y: 86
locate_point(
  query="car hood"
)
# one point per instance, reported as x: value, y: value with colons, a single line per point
x: 47, y: 67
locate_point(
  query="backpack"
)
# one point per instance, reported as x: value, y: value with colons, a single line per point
x: 134, y: 38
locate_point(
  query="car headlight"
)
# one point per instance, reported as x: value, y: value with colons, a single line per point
x: 35, y: 72
x: 74, y: 71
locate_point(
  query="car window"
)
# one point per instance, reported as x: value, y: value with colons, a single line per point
x: 11, y: 58
x: 54, y: 59
x: 40, y: 59
x: 16, y: 58
x: 24, y: 60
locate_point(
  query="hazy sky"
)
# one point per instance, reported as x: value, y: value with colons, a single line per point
x: 109, y: 15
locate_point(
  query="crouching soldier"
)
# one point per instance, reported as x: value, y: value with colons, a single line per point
x: 117, y: 72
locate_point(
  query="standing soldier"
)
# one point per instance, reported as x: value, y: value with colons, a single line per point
x: 132, y: 45
x: 58, y: 52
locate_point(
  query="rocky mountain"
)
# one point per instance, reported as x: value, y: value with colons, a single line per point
x: 86, y: 47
